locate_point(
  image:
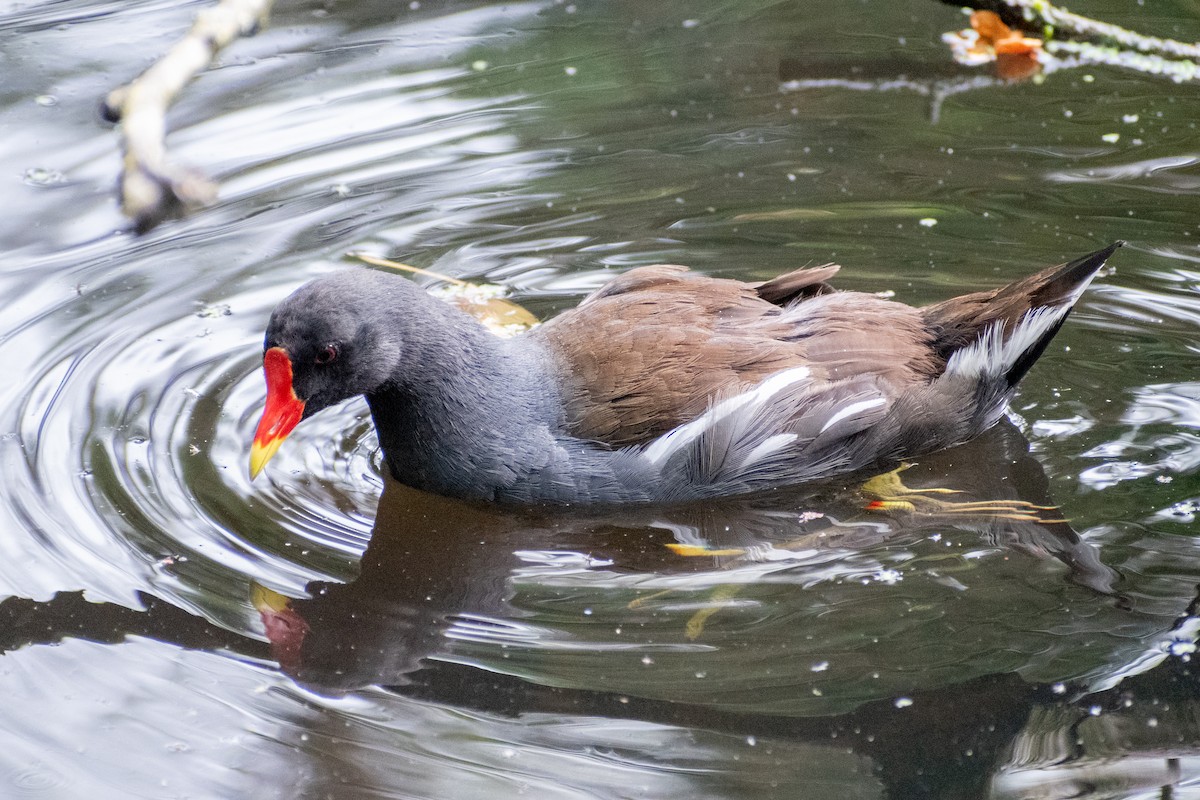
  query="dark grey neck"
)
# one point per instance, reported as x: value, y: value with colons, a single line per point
x: 464, y: 412
x: 470, y: 415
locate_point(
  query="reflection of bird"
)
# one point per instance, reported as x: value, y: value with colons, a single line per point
x: 662, y: 386
x: 438, y: 570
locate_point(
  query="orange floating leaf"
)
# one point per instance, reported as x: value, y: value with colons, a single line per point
x: 990, y: 27
x: 1015, y: 55
x: 1017, y: 66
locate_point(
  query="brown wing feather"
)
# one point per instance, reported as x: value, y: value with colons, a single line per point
x: 797, y: 284
x: 650, y: 350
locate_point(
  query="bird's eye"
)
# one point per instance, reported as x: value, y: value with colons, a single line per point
x: 326, y: 354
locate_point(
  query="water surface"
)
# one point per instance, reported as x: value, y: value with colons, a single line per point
x: 433, y: 650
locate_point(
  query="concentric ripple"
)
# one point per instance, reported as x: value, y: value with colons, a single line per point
x: 134, y: 443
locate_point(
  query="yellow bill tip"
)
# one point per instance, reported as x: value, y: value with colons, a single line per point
x: 261, y: 453
x: 267, y: 600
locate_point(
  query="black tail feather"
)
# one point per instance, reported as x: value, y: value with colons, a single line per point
x: 1059, y: 287
x: 959, y: 322
x: 1066, y: 281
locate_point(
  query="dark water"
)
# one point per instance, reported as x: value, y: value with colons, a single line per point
x: 826, y: 650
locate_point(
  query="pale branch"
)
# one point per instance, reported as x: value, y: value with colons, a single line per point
x: 1044, y: 19
x: 152, y: 189
x: 1062, y: 20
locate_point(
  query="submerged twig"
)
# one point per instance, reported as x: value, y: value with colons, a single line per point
x: 484, y: 301
x: 387, y: 262
x: 151, y: 189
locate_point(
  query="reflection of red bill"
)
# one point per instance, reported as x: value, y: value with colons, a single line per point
x: 285, y: 629
x: 282, y: 412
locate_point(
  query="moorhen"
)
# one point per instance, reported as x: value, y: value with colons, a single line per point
x: 662, y: 386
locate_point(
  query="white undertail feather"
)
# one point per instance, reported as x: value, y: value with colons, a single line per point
x: 994, y: 352
x: 748, y: 403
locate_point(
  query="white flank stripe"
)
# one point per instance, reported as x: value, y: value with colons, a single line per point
x: 677, y: 438
x: 992, y: 353
x: 768, y: 448
x: 851, y: 410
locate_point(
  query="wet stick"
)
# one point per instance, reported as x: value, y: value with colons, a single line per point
x: 151, y: 188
